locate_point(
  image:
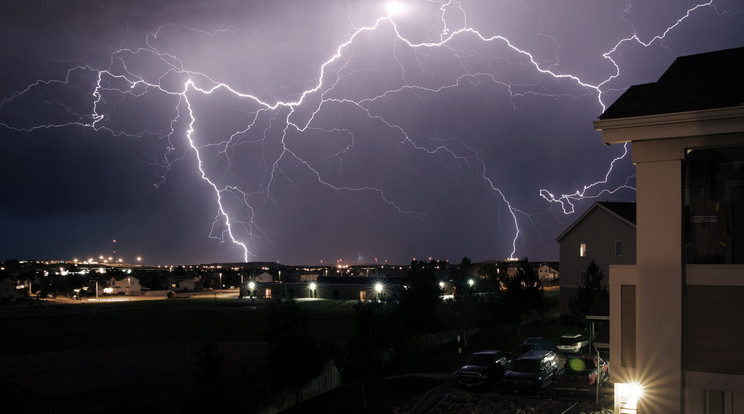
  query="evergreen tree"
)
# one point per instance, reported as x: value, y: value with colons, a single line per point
x: 294, y: 355
x: 590, y: 292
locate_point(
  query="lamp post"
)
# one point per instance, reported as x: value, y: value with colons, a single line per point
x: 312, y: 287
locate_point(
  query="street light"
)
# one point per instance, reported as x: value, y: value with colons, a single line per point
x: 379, y: 289
x: 312, y: 287
x: 471, y: 282
x: 251, y: 286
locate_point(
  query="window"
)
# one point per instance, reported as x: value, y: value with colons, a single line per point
x: 618, y: 248
x: 714, y: 205
x: 582, y: 250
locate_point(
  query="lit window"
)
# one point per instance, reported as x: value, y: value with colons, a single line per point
x: 582, y: 250
x: 619, y: 248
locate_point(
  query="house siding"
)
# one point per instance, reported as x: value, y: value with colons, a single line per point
x: 600, y: 230
x: 715, y: 329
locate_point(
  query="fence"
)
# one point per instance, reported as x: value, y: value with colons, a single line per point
x: 328, y: 379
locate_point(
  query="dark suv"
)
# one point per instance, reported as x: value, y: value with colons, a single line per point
x: 482, y: 369
x: 536, y: 343
x: 532, y: 372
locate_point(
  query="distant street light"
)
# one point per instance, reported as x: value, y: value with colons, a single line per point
x: 471, y: 282
x: 379, y: 288
x: 251, y: 287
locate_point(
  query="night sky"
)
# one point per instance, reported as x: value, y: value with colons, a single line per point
x: 308, y: 131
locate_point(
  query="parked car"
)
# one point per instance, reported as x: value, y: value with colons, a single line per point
x: 572, y: 343
x: 581, y: 374
x: 482, y: 369
x: 537, y: 343
x: 532, y: 372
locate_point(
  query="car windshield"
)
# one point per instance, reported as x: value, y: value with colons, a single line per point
x: 579, y: 366
x: 568, y: 341
x: 480, y: 359
x: 526, y: 365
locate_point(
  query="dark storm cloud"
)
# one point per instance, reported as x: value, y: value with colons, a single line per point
x: 404, y: 151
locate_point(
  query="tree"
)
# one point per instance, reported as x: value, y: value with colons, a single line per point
x: 294, y: 355
x: 420, y: 298
x: 364, y: 357
x: 590, y: 292
x: 523, y: 291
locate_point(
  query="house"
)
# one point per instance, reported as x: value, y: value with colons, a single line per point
x: 180, y: 284
x: 548, y: 273
x: 676, y: 315
x: 264, y: 277
x: 124, y: 285
x: 334, y: 287
x: 605, y: 233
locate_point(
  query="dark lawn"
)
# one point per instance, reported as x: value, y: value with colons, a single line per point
x: 48, y: 326
x: 383, y: 396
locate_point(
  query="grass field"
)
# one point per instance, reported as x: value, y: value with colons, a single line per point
x: 52, y: 350
x: 52, y: 327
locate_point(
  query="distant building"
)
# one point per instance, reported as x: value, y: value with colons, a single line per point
x: 264, y: 277
x: 605, y: 233
x: 339, y: 288
x: 548, y: 273
x: 677, y: 324
x: 127, y: 285
x: 182, y: 284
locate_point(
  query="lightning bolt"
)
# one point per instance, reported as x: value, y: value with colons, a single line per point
x: 261, y: 121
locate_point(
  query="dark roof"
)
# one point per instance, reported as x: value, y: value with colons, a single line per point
x: 625, y: 211
x: 697, y: 82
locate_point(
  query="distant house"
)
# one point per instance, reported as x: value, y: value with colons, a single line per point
x: 340, y: 288
x: 548, y: 273
x: 605, y: 233
x: 127, y: 285
x: 183, y: 284
x: 264, y: 278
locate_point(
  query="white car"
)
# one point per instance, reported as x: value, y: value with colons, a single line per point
x: 572, y: 343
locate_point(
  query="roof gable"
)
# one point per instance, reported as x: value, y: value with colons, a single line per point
x: 623, y: 211
x: 692, y: 83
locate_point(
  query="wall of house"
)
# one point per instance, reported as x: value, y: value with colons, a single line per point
x: 688, y: 323
x: 599, y: 230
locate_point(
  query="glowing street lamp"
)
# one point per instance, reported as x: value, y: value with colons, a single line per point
x: 251, y: 287
x: 471, y: 283
x: 379, y: 289
x: 627, y: 396
x: 312, y: 286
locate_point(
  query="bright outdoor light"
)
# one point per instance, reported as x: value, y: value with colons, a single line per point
x: 635, y: 390
x: 313, y: 286
x: 471, y: 282
x: 441, y: 285
x: 378, y: 287
x: 251, y: 285
x: 627, y: 396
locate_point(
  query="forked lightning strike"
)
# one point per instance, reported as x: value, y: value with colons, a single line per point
x: 117, y: 81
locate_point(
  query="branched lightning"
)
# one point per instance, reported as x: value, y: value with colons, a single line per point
x: 235, y: 219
